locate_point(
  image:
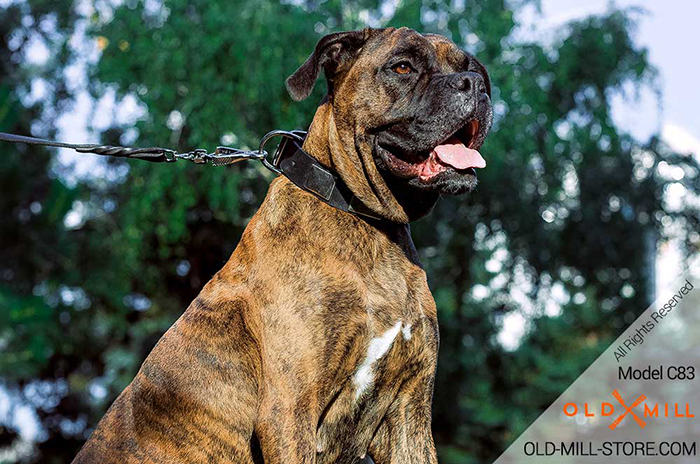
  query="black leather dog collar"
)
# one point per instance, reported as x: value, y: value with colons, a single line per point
x: 310, y: 175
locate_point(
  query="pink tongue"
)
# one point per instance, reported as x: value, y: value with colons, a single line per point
x: 454, y: 153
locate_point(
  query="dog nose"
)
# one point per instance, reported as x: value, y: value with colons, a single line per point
x: 469, y: 82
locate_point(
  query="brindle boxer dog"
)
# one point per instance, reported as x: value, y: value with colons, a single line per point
x: 317, y: 342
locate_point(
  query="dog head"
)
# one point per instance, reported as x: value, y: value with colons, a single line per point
x: 405, y: 116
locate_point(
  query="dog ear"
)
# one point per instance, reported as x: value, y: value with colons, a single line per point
x: 332, y: 53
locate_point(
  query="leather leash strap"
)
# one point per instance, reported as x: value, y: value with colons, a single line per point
x: 153, y: 154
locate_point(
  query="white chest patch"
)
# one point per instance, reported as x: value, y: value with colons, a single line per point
x: 377, y: 348
x: 406, y: 332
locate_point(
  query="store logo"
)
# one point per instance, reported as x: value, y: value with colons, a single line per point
x: 670, y: 410
x: 629, y: 410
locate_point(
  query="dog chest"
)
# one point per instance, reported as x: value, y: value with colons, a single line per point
x: 396, y: 360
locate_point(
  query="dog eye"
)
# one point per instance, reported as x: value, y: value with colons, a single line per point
x: 402, y: 68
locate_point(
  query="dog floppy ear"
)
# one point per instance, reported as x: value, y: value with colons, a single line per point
x: 332, y: 53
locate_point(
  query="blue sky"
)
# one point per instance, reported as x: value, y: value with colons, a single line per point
x: 670, y: 31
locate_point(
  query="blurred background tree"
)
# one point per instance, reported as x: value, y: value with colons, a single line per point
x: 560, y: 237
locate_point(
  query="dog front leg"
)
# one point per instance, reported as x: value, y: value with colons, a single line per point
x: 404, y: 435
x: 287, y: 435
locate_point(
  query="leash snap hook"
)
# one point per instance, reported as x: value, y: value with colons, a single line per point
x: 224, y: 156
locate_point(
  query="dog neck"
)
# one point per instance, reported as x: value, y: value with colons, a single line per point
x: 288, y: 208
x: 387, y: 196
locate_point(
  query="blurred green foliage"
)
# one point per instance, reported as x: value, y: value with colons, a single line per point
x: 560, y: 234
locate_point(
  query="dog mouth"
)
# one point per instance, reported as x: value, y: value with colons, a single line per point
x: 459, y: 152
